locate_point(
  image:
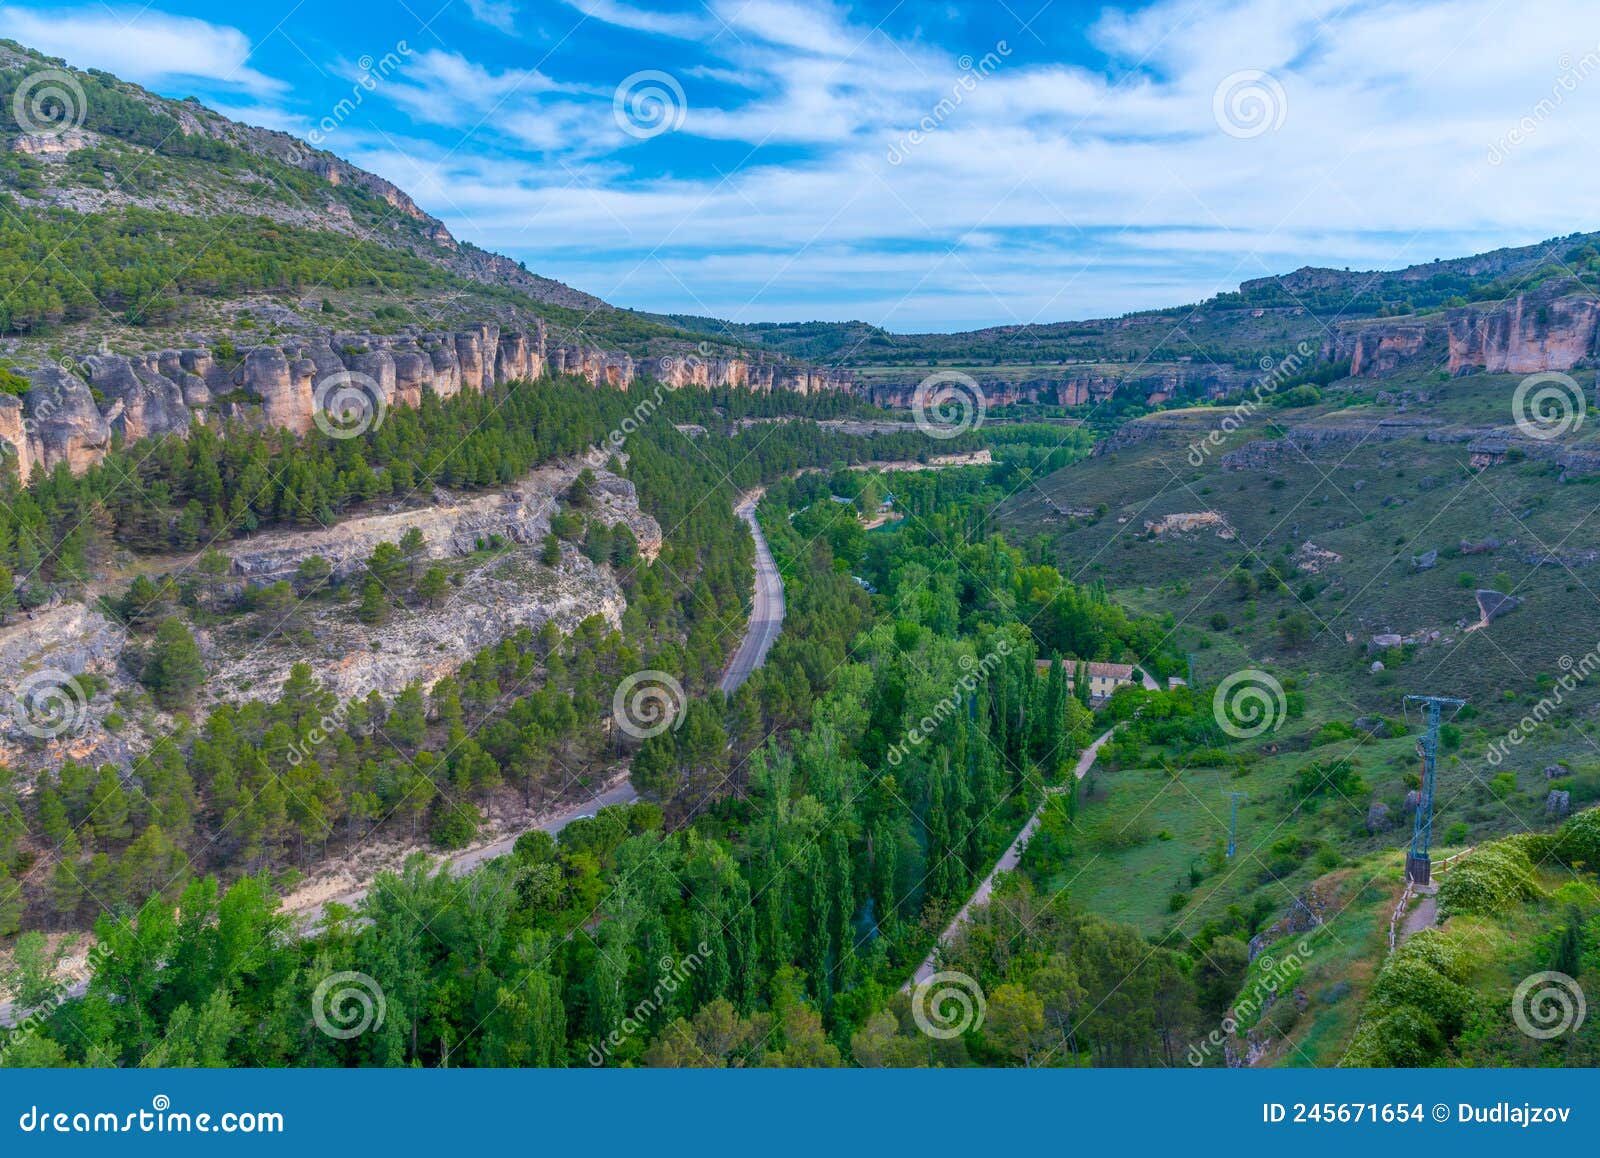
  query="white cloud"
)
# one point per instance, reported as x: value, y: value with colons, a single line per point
x: 141, y: 45
x: 495, y: 13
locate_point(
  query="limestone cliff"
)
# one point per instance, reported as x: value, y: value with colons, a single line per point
x: 1526, y: 334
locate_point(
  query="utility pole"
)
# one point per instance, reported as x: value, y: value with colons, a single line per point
x: 1233, y: 821
x: 1419, y: 867
x: 1191, y: 669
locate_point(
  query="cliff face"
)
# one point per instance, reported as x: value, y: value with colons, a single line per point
x: 75, y: 409
x: 1526, y: 335
x: 1078, y: 386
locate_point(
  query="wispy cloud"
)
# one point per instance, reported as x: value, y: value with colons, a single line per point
x: 142, y: 45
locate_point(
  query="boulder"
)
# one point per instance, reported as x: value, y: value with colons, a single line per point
x: 63, y: 421
x: 1493, y: 604
x: 143, y: 403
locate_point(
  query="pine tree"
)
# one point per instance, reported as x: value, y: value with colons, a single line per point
x: 374, y: 608
x: 174, y: 670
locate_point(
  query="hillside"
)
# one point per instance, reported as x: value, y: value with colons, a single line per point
x: 1373, y: 541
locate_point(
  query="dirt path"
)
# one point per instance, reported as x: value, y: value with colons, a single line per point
x: 1007, y: 862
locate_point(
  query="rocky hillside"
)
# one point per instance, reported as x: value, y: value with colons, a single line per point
x: 496, y: 590
x: 172, y: 265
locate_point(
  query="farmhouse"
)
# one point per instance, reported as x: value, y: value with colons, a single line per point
x: 1104, y: 678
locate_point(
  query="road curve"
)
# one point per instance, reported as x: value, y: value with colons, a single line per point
x: 766, y: 611
x: 766, y: 621
x: 1007, y: 862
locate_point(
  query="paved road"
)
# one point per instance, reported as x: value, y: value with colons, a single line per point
x: 766, y: 621
x: 1007, y: 862
x: 766, y: 612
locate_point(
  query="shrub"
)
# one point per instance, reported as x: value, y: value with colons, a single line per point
x: 1577, y: 842
x: 1489, y: 880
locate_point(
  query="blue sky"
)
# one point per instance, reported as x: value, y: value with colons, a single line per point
x: 921, y: 166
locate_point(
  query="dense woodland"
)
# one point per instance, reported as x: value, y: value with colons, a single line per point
x: 789, y: 866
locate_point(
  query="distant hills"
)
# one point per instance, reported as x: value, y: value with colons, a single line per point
x: 163, y: 232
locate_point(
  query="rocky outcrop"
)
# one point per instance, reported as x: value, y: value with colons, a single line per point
x: 1524, y: 336
x: 65, y: 418
x: 450, y: 526
x: 14, y: 435
x: 143, y: 402
x: 1381, y: 350
x: 62, y: 422
x: 1082, y: 386
x: 1544, y: 330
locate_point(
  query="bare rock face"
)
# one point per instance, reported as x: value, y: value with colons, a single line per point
x: 285, y: 394
x: 470, y: 357
x: 441, y: 351
x: 1493, y: 604
x: 148, y: 395
x: 63, y: 422
x: 14, y: 435
x: 512, y: 357
x: 38, y: 656
x: 379, y: 366
x: 52, y: 144
x: 143, y: 403
x: 203, y: 365
x: 1382, y: 350
x: 413, y: 373
x: 1524, y: 336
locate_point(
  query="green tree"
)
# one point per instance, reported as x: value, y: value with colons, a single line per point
x: 433, y: 586
x: 174, y: 670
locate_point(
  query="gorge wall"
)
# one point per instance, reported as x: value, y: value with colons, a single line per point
x: 1527, y: 334
x: 74, y: 410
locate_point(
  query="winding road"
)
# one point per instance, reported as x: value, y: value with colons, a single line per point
x: 1007, y: 862
x: 765, y: 623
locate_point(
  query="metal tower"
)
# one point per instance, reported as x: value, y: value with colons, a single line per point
x: 1233, y: 820
x: 1419, y: 868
